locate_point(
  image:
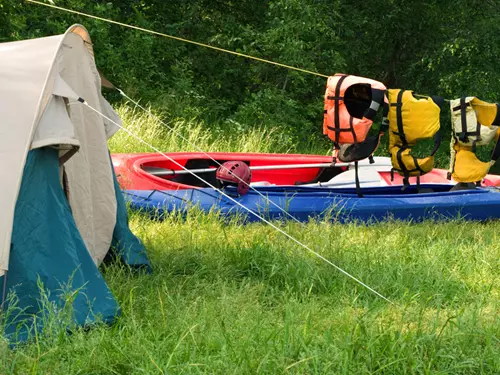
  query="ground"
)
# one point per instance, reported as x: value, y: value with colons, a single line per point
x: 231, y: 299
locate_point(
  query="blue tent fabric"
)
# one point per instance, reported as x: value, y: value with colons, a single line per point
x: 125, y: 244
x: 47, y: 248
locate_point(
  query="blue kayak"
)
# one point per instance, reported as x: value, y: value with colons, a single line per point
x: 377, y: 204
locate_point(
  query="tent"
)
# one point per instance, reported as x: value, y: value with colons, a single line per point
x: 62, y: 212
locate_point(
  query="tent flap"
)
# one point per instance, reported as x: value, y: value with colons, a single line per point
x: 48, y: 249
x: 55, y: 127
x: 125, y: 244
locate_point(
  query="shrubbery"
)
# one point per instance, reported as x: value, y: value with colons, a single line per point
x: 434, y: 47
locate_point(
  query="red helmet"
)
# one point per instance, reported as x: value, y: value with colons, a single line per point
x: 235, y: 172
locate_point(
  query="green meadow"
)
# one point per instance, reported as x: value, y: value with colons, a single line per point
x: 226, y: 298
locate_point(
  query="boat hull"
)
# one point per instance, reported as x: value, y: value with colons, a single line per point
x: 342, y: 205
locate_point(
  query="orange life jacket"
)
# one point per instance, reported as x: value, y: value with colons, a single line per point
x: 351, y: 103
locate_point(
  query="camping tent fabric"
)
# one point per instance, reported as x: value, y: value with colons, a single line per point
x: 61, y: 221
x: 48, y: 252
x: 24, y: 68
x: 31, y: 76
x: 90, y: 176
x: 125, y: 244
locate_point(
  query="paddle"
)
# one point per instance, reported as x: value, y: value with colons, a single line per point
x: 156, y: 171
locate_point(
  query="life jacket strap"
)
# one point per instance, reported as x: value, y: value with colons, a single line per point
x: 403, y: 169
x: 474, y: 146
x: 417, y: 166
x: 338, y: 130
x: 458, y: 107
x: 496, y: 151
x: 399, y: 117
x: 402, y: 165
x: 496, y: 121
x: 406, y: 181
x: 384, y: 126
x: 437, y: 142
x: 463, y: 136
x: 337, y: 114
x: 356, y: 174
x: 478, y: 137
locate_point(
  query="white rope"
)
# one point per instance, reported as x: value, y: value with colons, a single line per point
x: 207, y: 155
x: 243, y: 206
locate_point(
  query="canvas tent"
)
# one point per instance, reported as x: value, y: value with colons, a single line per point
x: 62, y: 210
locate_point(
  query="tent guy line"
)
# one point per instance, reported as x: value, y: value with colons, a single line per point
x: 179, y: 39
x: 286, y: 234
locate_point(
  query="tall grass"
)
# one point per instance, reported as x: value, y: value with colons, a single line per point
x: 229, y: 136
x: 231, y: 299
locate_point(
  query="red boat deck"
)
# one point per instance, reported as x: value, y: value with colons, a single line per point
x: 131, y: 175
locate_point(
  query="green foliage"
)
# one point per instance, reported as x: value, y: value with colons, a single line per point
x: 434, y: 47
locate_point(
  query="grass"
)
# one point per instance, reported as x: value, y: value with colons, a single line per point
x: 230, y: 137
x: 232, y: 299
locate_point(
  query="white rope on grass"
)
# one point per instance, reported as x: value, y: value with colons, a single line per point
x: 240, y: 205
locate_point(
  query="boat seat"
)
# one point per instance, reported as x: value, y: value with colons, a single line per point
x: 191, y: 180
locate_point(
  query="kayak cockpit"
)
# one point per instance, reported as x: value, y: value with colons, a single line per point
x: 205, y: 168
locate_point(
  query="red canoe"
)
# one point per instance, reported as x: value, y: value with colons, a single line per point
x: 147, y: 171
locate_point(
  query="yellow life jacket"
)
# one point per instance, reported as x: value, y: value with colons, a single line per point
x: 411, y: 120
x: 474, y: 123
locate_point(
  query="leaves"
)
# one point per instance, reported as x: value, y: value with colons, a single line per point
x: 433, y: 47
